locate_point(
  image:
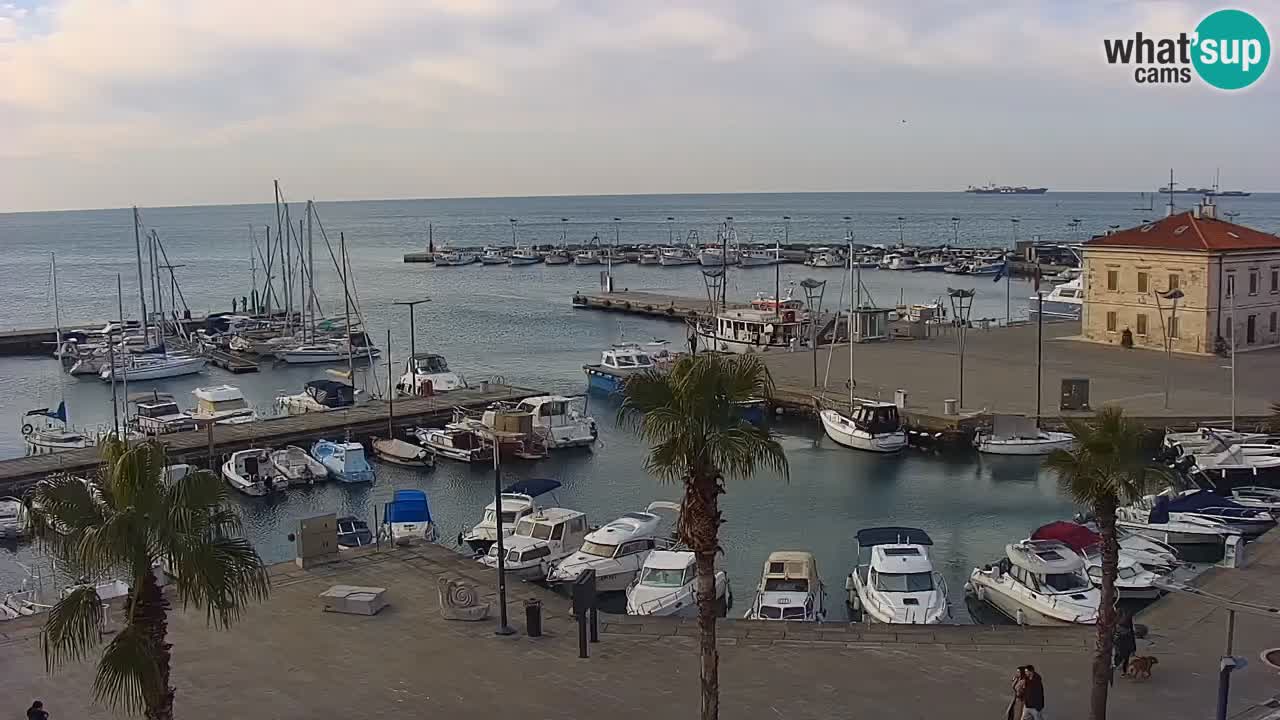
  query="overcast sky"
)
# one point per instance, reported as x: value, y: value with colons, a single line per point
x: 169, y: 102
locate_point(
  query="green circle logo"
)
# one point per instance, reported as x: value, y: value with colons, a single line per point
x: 1232, y: 49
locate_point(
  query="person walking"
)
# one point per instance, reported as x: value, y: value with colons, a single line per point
x: 36, y: 711
x: 1016, y: 705
x: 1126, y: 644
x: 1033, y: 694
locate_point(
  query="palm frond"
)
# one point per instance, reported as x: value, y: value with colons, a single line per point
x: 62, y: 504
x: 128, y: 673
x: 71, y: 629
x: 221, y: 574
x: 1105, y: 466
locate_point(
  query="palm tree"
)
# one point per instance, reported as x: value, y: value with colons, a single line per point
x: 124, y: 525
x: 1104, y: 469
x: 693, y: 423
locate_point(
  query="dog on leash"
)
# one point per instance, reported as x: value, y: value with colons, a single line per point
x: 1140, y: 667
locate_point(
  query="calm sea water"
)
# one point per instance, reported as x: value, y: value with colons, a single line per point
x: 517, y: 322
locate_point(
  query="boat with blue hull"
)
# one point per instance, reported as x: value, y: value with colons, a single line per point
x: 345, y: 461
x: 617, y: 364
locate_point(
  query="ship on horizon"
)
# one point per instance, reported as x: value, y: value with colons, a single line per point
x: 1006, y: 190
x: 1205, y: 191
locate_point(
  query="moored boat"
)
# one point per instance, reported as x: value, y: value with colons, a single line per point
x: 1038, y: 582
x: 408, y: 518
x: 1020, y: 435
x: 400, y: 452
x: 894, y: 580
x: 790, y: 589
x: 345, y: 461
x: 667, y: 587
x: 250, y: 472
x: 518, y: 500
x: 297, y: 467
x: 618, y: 550
x: 455, y: 444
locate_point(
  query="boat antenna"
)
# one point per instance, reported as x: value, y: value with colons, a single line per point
x: 137, y: 250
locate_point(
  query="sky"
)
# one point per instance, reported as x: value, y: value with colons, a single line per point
x: 109, y: 103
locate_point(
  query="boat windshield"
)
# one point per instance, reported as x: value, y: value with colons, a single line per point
x: 786, y: 585
x: 508, y: 517
x: 1067, y: 582
x: 772, y: 612
x: 433, y: 364
x: 904, y: 582
x: 661, y: 577
x: 632, y: 360
x: 529, y: 528
x: 598, y: 549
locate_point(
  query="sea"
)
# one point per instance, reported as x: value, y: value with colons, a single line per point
x: 518, y: 324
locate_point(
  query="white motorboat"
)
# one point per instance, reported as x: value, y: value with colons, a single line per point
x: 671, y: 257
x: 905, y: 262
x: 13, y: 518
x: 345, y: 461
x: 718, y: 256
x: 1206, y: 505
x: 160, y: 415
x: 297, y: 467
x: 1232, y: 467
x: 668, y: 587
x: 450, y: 258
x: 617, y: 363
x: 428, y: 374
x: 875, y: 427
x: 618, y: 550
x: 407, y: 518
x: 318, y: 396
x: 400, y: 452
x: 330, y: 352
x: 1191, y: 536
x: 1020, y: 435
x: 525, y: 256
x: 590, y: 256
x: 517, y: 502
x: 138, y: 367
x: 559, y: 423
x: 1134, y: 579
x: 1038, y: 582
x: 223, y: 404
x: 1256, y: 496
x: 790, y: 589
x: 540, y: 540
x: 455, y: 444
x: 650, y: 257
x: 750, y: 330
x: 759, y: 258
x: 1206, y: 441
x: 250, y: 472
x: 558, y: 256
x: 1064, y: 302
x: 825, y: 258
x: 494, y: 256
x: 894, y: 580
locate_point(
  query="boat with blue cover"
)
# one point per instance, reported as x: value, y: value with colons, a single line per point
x: 408, y: 517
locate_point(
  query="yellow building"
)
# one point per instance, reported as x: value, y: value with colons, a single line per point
x: 1131, y: 278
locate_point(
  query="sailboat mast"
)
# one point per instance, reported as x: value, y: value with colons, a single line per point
x: 286, y: 252
x: 851, y: 310
x: 111, y: 358
x: 346, y: 303
x: 391, y: 396
x: 137, y: 251
x: 311, y: 272
x: 777, y: 278
x: 57, y: 314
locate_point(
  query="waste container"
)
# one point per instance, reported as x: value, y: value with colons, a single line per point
x: 533, y: 617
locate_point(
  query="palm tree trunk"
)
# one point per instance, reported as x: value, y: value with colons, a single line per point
x: 700, y: 521
x: 1106, y: 514
x: 151, y: 612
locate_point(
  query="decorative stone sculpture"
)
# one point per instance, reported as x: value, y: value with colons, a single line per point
x: 460, y: 601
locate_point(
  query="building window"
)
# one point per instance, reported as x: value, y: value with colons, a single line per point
x: 1173, y: 327
x: 1273, y: 321
x: 1111, y: 322
x: 1113, y: 280
x: 1142, y: 324
x: 1251, y: 330
x: 1275, y: 280
x: 1231, y: 284
x: 1253, y: 282
x: 1142, y: 282
x: 1173, y: 281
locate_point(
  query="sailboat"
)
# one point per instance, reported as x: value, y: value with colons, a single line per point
x: 42, y: 435
x: 873, y: 426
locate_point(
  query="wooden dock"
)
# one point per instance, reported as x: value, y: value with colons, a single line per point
x: 233, y: 362
x: 19, y: 474
x: 671, y: 307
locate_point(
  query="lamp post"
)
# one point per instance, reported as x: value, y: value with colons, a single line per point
x: 961, y: 307
x: 1172, y: 294
x: 503, y: 628
x: 955, y: 231
x: 671, y: 231
x: 514, y: 223
x: 413, y: 328
x: 1008, y: 315
x: 813, y: 292
x: 901, y: 233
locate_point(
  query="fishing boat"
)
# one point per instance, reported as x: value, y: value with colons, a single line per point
x: 518, y: 500
x: 158, y: 366
x: 1019, y: 435
x: 353, y: 533
x: 759, y: 258
x: 223, y: 404
x: 1133, y: 579
x: 904, y: 262
x: 250, y: 472
x: 667, y: 587
x: 525, y: 256
x: 400, y: 452
x: 650, y: 257
x: 824, y: 257
x: 718, y: 256
x: 557, y: 256
x: 13, y: 518
x: 451, y: 258
x: 671, y: 257
x: 749, y: 330
x: 297, y: 467
x: 540, y: 540
x: 494, y: 256
x: 427, y: 374
x: 1038, y: 582
x: 345, y: 461
x: 894, y: 580
x: 618, y: 550
x: 790, y: 589
x: 318, y: 396
x: 590, y: 256
x: 455, y: 444
x: 875, y: 427
x: 407, y: 518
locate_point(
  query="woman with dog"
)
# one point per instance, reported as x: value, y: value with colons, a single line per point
x: 1126, y: 644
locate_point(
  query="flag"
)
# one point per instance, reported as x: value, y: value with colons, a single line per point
x: 1004, y: 267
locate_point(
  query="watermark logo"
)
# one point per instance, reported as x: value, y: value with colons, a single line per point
x: 1228, y: 50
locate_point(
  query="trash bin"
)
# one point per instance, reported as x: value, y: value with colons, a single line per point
x: 533, y: 617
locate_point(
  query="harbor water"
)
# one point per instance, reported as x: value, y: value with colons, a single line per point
x: 517, y: 323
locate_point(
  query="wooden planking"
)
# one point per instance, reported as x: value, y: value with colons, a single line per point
x: 671, y: 307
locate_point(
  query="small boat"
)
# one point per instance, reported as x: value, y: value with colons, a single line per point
x: 318, y: 396
x: 650, y: 257
x: 1256, y: 496
x: 1064, y: 302
x: 1019, y: 435
x: 904, y: 262
x: 297, y: 467
x: 671, y: 257
x: 46, y: 431
x: 790, y: 589
x: 353, y: 533
x: 587, y: 257
x: 824, y: 257
x: 250, y: 472
x: 558, y: 421
x: 455, y: 444
x: 494, y: 256
x: 932, y: 266
x: 399, y: 452
x: 617, y: 363
x: 539, y: 541
x: 223, y: 404
x: 525, y: 256
x: 717, y: 256
x: 875, y: 427
x: 1193, y: 537
x: 667, y: 587
x: 408, y: 517
x: 1205, y: 505
x: 1134, y: 580
x: 158, y: 414
x: 517, y: 502
x: 152, y: 367
x: 1233, y: 467
x: 759, y: 258
x: 1206, y: 441
x: 558, y: 256
x: 1038, y: 582
x: 894, y: 580
x: 427, y: 374
x: 13, y: 518
x: 345, y: 461
x: 331, y: 352
x: 618, y: 550
x: 451, y: 258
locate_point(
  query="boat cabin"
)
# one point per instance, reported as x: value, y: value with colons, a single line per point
x: 330, y: 393
x: 627, y: 356
x: 543, y: 537
x: 790, y: 588
x: 427, y: 363
x: 760, y: 327
x: 877, y: 417
x: 221, y: 403
x: 160, y: 417
x: 1048, y: 567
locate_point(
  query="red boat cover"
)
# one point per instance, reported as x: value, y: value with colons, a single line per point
x: 1073, y: 535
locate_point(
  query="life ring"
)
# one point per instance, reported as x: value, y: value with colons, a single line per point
x: 27, y: 429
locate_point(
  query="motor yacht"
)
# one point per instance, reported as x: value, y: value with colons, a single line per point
x: 874, y: 427
x: 1020, y: 435
x: 517, y: 502
x: 668, y: 587
x: 345, y: 461
x: 617, y: 363
x: 1064, y: 302
x: 894, y: 580
x: 318, y: 396
x: 1194, y: 538
x: 539, y: 541
x: 1233, y: 467
x: 618, y: 550
x: 250, y: 472
x: 223, y: 404
x: 408, y: 517
x: 297, y: 467
x: 558, y: 421
x: 790, y: 589
x: 1203, y: 504
x: 455, y: 444
x: 749, y: 330
x: 1134, y: 580
x: 428, y: 374
x: 1038, y: 582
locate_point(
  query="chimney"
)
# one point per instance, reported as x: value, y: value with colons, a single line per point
x: 1195, y: 212
x: 1208, y: 210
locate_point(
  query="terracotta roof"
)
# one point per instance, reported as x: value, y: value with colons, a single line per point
x: 1186, y: 232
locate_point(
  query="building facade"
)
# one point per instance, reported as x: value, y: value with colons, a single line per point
x: 1181, y: 280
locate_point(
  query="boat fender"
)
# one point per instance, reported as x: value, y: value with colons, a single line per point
x: 607, y: 303
x: 1021, y: 617
x: 27, y: 429
x: 626, y: 304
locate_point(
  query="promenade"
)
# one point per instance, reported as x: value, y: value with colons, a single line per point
x: 288, y: 659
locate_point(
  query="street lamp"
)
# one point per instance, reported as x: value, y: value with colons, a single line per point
x: 1172, y: 294
x: 955, y: 231
x: 813, y: 292
x: 1008, y: 315
x: 413, y: 328
x: 503, y: 628
x: 961, y: 307
x: 671, y: 232
x: 514, y: 223
x: 901, y: 234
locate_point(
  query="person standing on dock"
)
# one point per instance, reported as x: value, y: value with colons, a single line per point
x: 37, y: 712
x: 1033, y: 695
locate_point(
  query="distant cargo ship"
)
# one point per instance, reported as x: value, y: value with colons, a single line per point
x: 1007, y: 190
x: 1206, y: 191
